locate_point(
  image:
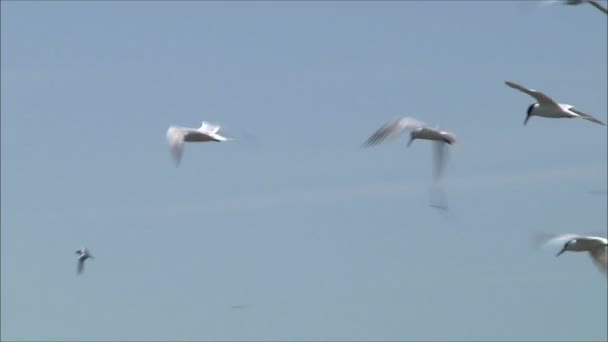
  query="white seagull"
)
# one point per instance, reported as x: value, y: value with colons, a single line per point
x: 547, y: 108
x: 177, y: 136
x: 83, y: 254
x: 596, y: 246
x: 419, y: 130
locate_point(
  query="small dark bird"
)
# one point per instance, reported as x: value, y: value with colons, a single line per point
x: 240, y: 307
x: 83, y: 254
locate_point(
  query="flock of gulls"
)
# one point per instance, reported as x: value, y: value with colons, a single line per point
x: 544, y: 106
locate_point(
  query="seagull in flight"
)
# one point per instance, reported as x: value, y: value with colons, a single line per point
x: 546, y: 107
x: 419, y: 130
x: 594, y: 245
x: 83, y: 254
x: 177, y: 136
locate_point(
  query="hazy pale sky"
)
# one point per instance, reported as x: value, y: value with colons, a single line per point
x: 320, y: 239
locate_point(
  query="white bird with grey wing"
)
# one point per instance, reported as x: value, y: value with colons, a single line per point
x: 594, y: 245
x: 546, y: 107
x: 83, y: 254
x: 177, y: 136
x: 419, y: 130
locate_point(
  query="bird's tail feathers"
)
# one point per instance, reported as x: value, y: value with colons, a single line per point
x: 592, y: 119
x: 242, y: 137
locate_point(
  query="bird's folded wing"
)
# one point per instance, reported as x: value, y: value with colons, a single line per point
x: 392, y: 130
x: 451, y: 137
x: 599, y: 258
x: 539, y: 96
x: 586, y: 116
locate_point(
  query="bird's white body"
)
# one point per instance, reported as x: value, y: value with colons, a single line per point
x: 83, y: 254
x: 177, y: 136
x: 562, y: 110
x: 427, y: 133
x: 546, y: 107
x: 594, y: 245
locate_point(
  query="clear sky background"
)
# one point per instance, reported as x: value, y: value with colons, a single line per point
x: 321, y: 239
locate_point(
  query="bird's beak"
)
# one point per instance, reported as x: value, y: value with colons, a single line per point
x: 410, y: 142
x: 526, y: 120
x: 560, y: 253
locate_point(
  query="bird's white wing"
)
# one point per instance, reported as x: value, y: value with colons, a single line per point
x: 586, y: 116
x: 175, y: 138
x: 440, y: 151
x: 539, y: 96
x: 80, y: 266
x: 209, y: 128
x: 392, y: 130
x: 545, y: 239
x: 438, y: 198
x: 548, y: 2
x: 599, y: 258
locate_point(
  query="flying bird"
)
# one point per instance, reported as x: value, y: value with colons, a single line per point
x: 83, y: 254
x: 177, y: 136
x: 595, y: 246
x: 239, y: 307
x: 419, y: 130
x: 547, y: 108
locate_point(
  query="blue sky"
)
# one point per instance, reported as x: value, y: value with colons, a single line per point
x: 321, y: 239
